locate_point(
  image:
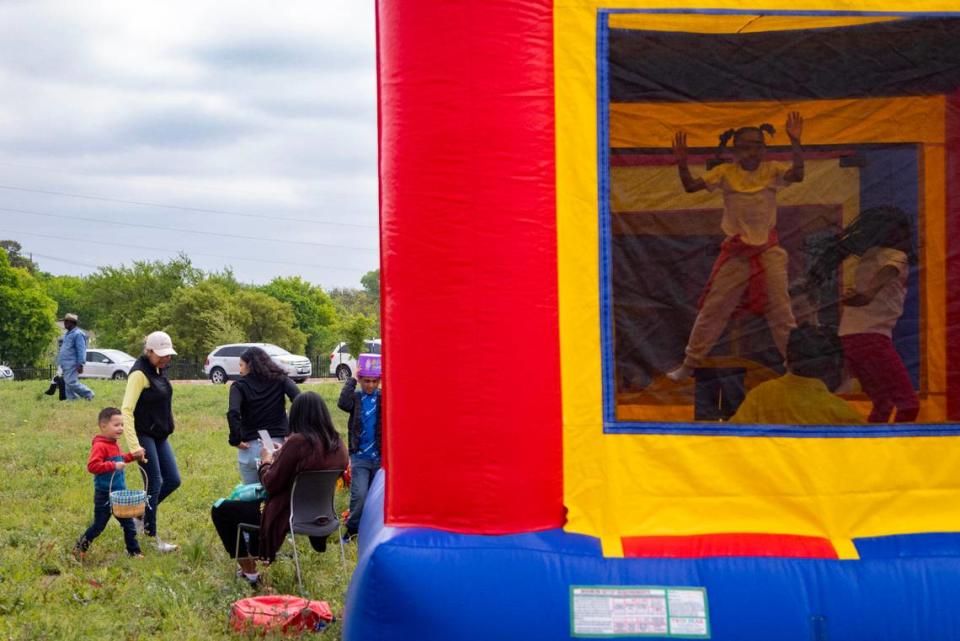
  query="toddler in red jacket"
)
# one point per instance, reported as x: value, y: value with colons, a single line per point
x: 106, y: 462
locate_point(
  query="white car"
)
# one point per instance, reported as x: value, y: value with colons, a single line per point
x: 6, y: 374
x: 223, y: 363
x: 343, y: 365
x: 107, y: 363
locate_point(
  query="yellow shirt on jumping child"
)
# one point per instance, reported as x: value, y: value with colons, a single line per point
x: 749, y: 198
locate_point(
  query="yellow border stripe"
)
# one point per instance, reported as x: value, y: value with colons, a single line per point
x: 634, y: 485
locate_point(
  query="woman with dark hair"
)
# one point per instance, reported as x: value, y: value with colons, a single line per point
x: 257, y: 403
x: 313, y: 444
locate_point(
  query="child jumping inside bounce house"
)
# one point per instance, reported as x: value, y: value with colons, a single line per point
x: 751, y: 258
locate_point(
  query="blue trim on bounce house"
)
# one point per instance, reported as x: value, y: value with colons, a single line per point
x: 603, y: 194
x: 419, y: 583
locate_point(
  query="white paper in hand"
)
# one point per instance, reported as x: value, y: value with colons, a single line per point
x: 268, y: 443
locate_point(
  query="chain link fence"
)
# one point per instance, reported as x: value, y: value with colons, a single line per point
x: 34, y: 373
x: 178, y: 370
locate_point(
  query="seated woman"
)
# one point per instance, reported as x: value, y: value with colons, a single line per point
x: 313, y: 444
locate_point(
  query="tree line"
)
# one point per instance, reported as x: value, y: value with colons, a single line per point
x: 200, y: 310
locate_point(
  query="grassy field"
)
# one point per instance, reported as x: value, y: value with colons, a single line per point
x: 46, y: 499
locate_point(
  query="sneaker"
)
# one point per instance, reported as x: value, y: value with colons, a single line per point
x: 163, y: 547
x: 138, y: 524
x: 253, y: 581
x: 80, y: 549
x: 135, y: 555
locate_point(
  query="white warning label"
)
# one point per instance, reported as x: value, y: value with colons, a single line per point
x: 610, y: 611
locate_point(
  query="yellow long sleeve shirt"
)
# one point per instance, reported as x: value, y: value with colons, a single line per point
x: 795, y: 400
x: 136, y: 383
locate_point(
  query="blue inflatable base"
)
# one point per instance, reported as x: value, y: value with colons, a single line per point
x: 419, y: 584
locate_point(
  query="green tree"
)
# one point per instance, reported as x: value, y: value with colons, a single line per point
x: 17, y: 259
x: 200, y: 317
x: 355, y: 329
x: 349, y: 302
x: 119, y: 297
x: 371, y: 285
x: 197, y: 318
x: 268, y: 320
x: 314, y: 311
x: 68, y: 291
x: 226, y: 279
x: 27, y: 316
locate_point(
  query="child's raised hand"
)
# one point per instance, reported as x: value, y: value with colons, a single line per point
x: 794, y: 125
x: 680, y: 147
x: 140, y: 454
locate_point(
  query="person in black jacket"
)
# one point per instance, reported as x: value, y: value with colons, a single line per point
x: 257, y: 403
x: 363, y: 439
x: 148, y: 409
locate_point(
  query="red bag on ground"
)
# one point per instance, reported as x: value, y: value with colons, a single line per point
x: 279, y: 612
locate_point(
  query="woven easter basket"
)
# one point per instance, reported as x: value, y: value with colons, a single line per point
x: 129, y: 503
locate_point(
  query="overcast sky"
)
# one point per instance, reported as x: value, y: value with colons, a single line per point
x: 241, y: 133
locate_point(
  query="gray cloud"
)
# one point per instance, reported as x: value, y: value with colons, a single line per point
x: 263, y: 110
x: 183, y: 126
x: 264, y: 55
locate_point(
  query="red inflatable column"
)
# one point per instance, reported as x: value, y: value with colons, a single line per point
x: 469, y: 274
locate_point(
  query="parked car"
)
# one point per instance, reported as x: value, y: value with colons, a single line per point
x: 223, y: 363
x: 107, y: 363
x: 6, y: 374
x: 343, y: 365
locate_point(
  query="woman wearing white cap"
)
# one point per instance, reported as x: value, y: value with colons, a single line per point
x: 147, y: 408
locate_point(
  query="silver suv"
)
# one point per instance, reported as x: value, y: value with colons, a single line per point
x: 223, y: 363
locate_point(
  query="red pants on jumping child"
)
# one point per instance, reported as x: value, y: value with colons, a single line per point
x: 883, y: 376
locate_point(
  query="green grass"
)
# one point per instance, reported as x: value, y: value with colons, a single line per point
x: 46, y: 498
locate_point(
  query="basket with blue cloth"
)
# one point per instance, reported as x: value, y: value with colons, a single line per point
x: 128, y: 503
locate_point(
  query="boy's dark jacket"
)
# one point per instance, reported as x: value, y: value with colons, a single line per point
x: 350, y: 402
x: 104, y: 454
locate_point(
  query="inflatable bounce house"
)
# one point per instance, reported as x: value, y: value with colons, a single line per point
x: 571, y: 192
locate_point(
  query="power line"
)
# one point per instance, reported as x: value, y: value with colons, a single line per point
x: 166, y: 182
x: 178, y: 207
x: 184, y: 231
x: 192, y: 253
x: 64, y: 260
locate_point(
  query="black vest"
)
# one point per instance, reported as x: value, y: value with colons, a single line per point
x: 153, y: 414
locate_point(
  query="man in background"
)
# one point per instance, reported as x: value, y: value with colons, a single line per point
x: 72, y: 356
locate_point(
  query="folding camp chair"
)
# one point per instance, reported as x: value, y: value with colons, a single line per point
x: 312, y: 512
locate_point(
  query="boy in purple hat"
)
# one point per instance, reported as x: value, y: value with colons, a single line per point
x: 363, y: 431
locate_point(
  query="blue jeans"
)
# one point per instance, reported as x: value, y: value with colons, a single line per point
x: 101, y: 516
x: 362, y: 471
x: 72, y: 385
x: 163, y: 477
x: 248, y: 459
